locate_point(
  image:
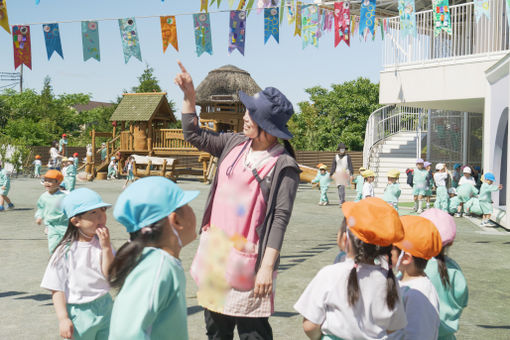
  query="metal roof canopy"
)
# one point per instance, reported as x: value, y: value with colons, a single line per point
x: 143, y: 107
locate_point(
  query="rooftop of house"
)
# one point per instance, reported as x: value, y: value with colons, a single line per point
x: 142, y: 107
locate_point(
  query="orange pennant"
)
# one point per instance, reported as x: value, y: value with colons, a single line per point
x: 169, y: 32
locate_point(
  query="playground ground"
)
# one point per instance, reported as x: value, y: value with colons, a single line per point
x: 26, y: 311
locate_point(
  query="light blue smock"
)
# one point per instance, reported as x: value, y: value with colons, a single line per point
x: 152, y: 302
x: 392, y: 194
x: 70, y: 177
x: 420, y: 182
x: 324, y: 181
x: 453, y: 204
x: 452, y: 299
x: 442, y: 198
x: 485, y: 197
x: 5, y: 181
x: 466, y: 191
x: 49, y: 209
x: 359, y: 187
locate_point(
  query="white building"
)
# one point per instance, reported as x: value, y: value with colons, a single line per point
x: 447, y: 95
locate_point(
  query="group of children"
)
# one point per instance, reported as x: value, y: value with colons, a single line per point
x: 454, y: 194
x: 146, y: 270
x: 394, y: 282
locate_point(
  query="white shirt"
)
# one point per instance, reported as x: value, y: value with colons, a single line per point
x: 54, y: 153
x: 440, y: 179
x: 325, y: 302
x: 422, y: 310
x: 464, y: 180
x: 368, y: 190
x: 76, y: 271
x: 37, y: 162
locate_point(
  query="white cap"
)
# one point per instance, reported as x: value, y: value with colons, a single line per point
x: 70, y: 159
x: 452, y: 191
x: 439, y: 166
x: 466, y: 170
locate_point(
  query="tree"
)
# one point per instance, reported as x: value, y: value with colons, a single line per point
x: 337, y: 115
x: 148, y: 82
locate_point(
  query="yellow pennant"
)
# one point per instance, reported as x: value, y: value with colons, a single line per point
x: 4, y: 19
x: 241, y: 5
x: 169, y: 32
x: 299, y: 4
x: 204, y: 5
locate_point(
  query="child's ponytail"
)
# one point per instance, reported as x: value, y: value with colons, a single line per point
x: 353, y: 286
x: 128, y: 255
x: 441, y: 267
x: 391, y: 283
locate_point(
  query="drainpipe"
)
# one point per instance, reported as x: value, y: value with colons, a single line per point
x: 465, y: 138
x: 429, y: 133
x: 418, y: 135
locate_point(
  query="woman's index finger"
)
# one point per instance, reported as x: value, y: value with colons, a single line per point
x: 183, y: 69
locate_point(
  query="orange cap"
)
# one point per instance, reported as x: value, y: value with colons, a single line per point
x: 422, y: 239
x: 54, y: 174
x: 373, y: 221
x: 37, y: 157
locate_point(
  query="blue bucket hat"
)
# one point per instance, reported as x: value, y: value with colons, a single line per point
x: 490, y: 176
x: 148, y: 200
x: 456, y: 166
x: 271, y: 110
x: 82, y: 200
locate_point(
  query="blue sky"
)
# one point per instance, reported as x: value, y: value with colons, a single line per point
x: 285, y: 66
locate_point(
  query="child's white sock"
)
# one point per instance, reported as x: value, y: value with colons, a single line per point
x: 428, y: 205
x: 420, y: 205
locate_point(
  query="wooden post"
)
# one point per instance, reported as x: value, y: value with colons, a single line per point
x: 163, y: 168
x: 131, y: 142
x: 148, y: 169
x: 93, y: 149
x: 135, y: 171
x: 149, y: 137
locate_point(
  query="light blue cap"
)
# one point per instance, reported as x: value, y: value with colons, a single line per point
x: 148, y: 200
x: 82, y: 200
x: 490, y: 176
x: 112, y: 158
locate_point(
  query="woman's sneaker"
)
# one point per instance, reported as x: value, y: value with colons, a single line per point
x: 457, y: 215
x: 10, y: 206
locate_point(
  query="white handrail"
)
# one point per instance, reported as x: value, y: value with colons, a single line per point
x: 468, y: 37
x: 389, y: 120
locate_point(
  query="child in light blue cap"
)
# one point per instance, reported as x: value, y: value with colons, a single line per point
x: 151, y: 303
x: 77, y: 272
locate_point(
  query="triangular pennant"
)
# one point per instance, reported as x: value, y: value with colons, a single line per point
x: 382, y: 28
x: 204, y: 5
x: 367, y: 18
x: 407, y: 13
x: 310, y: 22
x: 4, y: 18
x: 237, y: 31
x: 297, y: 30
x: 21, y: 44
x: 230, y: 4
x: 241, y: 4
x: 52, y: 40
x: 291, y: 12
x: 202, y: 27
x: 442, y: 19
x: 130, y: 41
x: 482, y: 8
x: 282, y: 10
x: 169, y: 32
x: 261, y: 4
x: 249, y: 6
x: 90, y: 40
x: 271, y: 24
x: 342, y: 23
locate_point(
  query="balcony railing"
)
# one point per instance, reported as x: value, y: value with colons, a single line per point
x: 469, y: 37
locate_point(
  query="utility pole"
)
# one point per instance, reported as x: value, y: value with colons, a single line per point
x: 13, y: 78
x: 21, y: 80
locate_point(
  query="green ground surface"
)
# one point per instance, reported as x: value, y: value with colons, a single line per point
x: 26, y: 311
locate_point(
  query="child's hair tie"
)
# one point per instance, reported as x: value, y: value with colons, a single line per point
x: 356, y: 265
x: 146, y: 230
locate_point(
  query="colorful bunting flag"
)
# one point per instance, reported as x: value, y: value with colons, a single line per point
x: 52, y: 40
x: 90, y: 40
x: 203, y: 6
x: 21, y: 43
x: 482, y: 8
x: 230, y: 4
x: 291, y: 12
x: 271, y: 24
x: 203, y: 40
x: 237, y: 31
x: 282, y: 10
x: 241, y: 4
x: 407, y: 13
x: 367, y: 18
x: 4, y: 18
x: 310, y: 22
x: 442, y: 21
x: 129, y: 36
x: 327, y: 22
x: 383, y: 28
x: 249, y: 6
x: 297, y: 30
x: 342, y: 23
x: 169, y: 32
x: 261, y: 4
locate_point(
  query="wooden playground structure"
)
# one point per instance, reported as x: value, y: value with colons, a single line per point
x: 141, y: 127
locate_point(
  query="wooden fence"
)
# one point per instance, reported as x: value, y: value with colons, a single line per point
x: 312, y: 158
x: 44, y: 152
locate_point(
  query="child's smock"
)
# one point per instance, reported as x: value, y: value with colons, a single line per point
x: 152, y: 302
x: 325, y: 302
x: 5, y: 181
x: 368, y: 190
x: 453, y: 204
x: 70, y: 177
x: 465, y: 180
x: 103, y: 154
x: 37, y: 167
x: 324, y: 181
x: 419, y: 181
x: 442, y: 197
x: 422, y: 310
x: 49, y: 209
x: 392, y: 193
x: 466, y: 191
x: 452, y: 299
x: 485, y: 197
x: 359, y: 187
x: 75, y: 269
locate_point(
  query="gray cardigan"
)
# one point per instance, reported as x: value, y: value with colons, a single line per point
x: 284, y: 183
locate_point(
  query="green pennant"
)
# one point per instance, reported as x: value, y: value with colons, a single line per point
x: 249, y: 6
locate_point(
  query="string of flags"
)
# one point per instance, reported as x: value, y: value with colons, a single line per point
x: 310, y: 23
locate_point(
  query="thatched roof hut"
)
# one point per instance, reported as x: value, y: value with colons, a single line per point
x: 223, y: 85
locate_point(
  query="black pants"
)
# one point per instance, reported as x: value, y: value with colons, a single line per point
x: 221, y: 327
